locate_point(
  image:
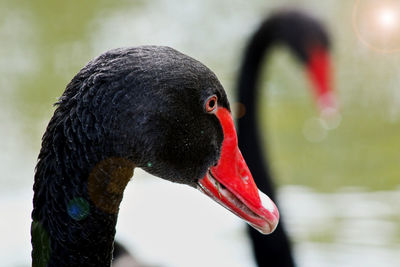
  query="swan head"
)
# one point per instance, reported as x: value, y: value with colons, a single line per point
x: 169, y: 115
x: 309, y: 41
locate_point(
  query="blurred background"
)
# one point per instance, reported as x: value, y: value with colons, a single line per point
x: 339, y: 190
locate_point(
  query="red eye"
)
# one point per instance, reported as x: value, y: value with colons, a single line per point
x: 211, y: 103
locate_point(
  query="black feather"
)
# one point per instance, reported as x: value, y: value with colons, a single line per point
x: 130, y: 107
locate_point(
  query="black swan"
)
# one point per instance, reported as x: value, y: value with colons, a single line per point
x: 148, y: 107
x: 309, y: 41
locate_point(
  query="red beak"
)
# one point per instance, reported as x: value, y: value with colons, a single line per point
x: 319, y: 71
x: 231, y: 184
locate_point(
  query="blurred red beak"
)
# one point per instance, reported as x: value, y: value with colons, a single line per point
x: 319, y: 71
x: 231, y: 184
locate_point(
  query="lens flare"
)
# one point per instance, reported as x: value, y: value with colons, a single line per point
x: 314, y: 130
x: 387, y: 18
x: 78, y: 208
x: 377, y: 24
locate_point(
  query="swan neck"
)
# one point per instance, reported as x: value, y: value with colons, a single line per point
x: 76, y: 208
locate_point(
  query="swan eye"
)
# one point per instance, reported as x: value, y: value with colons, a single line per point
x: 211, y: 103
